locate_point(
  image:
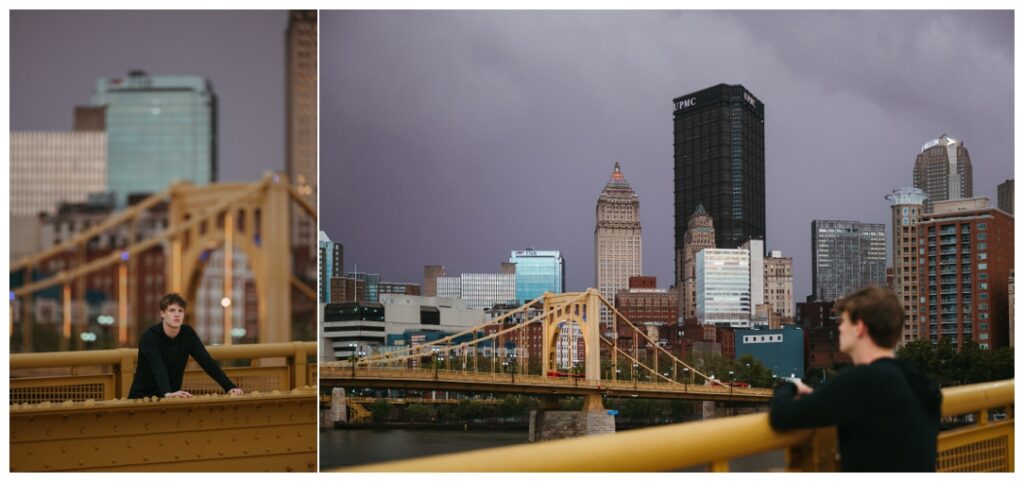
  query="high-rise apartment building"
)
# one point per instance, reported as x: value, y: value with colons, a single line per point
x: 723, y: 287
x: 700, y: 234
x: 778, y: 285
x: 719, y: 163
x: 847, y: 256
x: 538, y: 272
x: 616, y: 238
x: 332, y: 264
x: 968, y: 255
x: 907, y: 209
x: 943, y: 171
x: 160, y: 129
x: 1005, y: 196
x: 48, y: 168
x: 301, y: 105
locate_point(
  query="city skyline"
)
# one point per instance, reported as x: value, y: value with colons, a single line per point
x: 241, y: 53
x: 448, y: 109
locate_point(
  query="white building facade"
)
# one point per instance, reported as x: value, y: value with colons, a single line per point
x: 723, y: 287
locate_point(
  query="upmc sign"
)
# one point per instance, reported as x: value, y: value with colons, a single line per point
x: 686, y: 103
x: 713, y: 95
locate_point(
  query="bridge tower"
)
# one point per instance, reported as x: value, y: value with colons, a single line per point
x: 585, y: 313
x: 257, y: 224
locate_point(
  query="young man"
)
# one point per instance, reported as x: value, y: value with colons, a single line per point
x: 163, y: 353
x: 887, y: 413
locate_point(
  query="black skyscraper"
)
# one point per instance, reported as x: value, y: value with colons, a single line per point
x: 719, y: 162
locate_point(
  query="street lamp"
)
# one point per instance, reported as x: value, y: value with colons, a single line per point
x: 686, y: 383
x: 732, y: 382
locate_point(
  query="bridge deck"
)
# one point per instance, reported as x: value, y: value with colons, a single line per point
x: 468, y: 381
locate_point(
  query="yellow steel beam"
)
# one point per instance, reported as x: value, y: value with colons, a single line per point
x: 650, y: 449
x: 253, y: 432
x: 115, y: 357
x: 111, y: 222
x: 306, y: 205
x: 115, y: 256
x: 973, y: 398
x: 303, y: 288
x: 686, y: 444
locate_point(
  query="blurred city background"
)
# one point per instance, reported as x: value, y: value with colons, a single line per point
x: 155, y: 152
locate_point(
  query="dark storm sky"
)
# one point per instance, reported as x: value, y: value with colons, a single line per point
x: 453, y: 138
x: 56, y: 58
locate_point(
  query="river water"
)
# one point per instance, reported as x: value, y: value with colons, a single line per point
x: 344, y: 448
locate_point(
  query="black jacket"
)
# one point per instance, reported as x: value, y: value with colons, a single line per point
x: 887, y: 414
x: 162, y: 362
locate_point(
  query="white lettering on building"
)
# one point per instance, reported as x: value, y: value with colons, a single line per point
x: 685, y: 103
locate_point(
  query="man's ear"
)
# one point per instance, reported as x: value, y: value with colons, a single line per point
x: 861, y: 327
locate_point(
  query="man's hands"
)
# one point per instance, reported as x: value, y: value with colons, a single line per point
x: 184, y: 394
x: 801, y: 388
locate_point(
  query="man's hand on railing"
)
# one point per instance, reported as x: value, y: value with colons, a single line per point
x: 801, y: 388
x: 235, y: 391
x: 178, y: 394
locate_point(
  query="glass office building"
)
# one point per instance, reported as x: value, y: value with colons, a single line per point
x: 160, y: 129
x: 537, y: 272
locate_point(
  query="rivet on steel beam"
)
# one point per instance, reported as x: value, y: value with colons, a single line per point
x: 220, y: 452
x: 29, y: 453
x: 161, y: 443
x: 176, y: 456
x: 268, y: 450
x: 188, y: 442
x: 145, y: 458
x: 46, y: 466
x: 130, y: 444
x: 63, y: 450
x: 115, y: 427
x: 290, y: 469
x: 113, y: 461
x: 80, y: 463
x: 96, y: 447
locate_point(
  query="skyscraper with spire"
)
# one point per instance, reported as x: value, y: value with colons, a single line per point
x: 616, y: 238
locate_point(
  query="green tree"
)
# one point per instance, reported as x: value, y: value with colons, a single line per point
x: 380, y: 409
x: 418, y: 412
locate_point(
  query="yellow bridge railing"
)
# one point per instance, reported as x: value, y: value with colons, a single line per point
x: 108, y: 374
x: 987, y: 445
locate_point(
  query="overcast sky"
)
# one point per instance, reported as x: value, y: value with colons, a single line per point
x: 56, y: 57
x: 454, y: 138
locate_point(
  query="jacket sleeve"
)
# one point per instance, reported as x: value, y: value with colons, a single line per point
x: 210, y: 366
x: 834, y: 403
x: 149, y: 352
